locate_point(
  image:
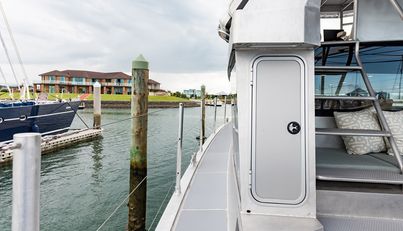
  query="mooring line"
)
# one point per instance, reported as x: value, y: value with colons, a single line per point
x: 162, y: 203
x: 120, y: 205
x: 132, y: 117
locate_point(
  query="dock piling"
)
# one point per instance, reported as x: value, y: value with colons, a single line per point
x: 179, y: 151
x: 26, y: 181
x: 97, y: 105
x: 138, y: 151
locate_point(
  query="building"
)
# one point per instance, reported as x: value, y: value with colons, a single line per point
x: 81, y: 82
x: 190, y: 93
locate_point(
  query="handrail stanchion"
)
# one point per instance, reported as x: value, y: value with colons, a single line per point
x: 202, y: 120
x: 215, y: 114
x: 225, y: 109
x: 26, y: 181
x: 179, y: 151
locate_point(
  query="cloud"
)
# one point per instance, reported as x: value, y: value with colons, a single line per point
x: 177, y: 37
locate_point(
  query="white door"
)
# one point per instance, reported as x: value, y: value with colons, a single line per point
x: 278, y: 130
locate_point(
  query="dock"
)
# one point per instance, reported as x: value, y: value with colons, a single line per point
x: 54, y: 142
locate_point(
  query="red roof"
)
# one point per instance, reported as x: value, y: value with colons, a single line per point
x: 92, y: 75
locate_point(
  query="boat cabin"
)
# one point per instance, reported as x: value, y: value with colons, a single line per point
x: 317, y: 126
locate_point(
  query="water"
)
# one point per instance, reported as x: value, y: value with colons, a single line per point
x: 82, y: 185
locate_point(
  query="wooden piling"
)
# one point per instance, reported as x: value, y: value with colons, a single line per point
x: 138, y: 151
x: 97, y: 105
x: 203, y: 114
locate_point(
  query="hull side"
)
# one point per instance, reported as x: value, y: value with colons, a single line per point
x: 49, y: 118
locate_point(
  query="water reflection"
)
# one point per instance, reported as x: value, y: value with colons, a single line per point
x: 97, y: 157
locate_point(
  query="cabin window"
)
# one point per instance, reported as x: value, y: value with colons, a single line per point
x: 383, y: 64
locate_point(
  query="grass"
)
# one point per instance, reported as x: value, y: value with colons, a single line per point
x: 104, y: 97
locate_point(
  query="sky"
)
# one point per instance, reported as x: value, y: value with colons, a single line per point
x: 178, y: 38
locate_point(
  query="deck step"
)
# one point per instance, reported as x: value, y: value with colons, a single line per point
x: 337, y: 43
x: 351, y: 132
x: 336, y: 69
x: 359, y: 176
x: 346, y: 98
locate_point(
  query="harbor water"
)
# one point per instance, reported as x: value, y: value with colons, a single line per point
x: 82, y: 185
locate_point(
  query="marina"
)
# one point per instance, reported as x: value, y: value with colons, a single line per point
x: 309, y: 136
x: 82, y: 185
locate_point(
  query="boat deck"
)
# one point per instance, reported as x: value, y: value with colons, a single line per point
x: 205, y: 203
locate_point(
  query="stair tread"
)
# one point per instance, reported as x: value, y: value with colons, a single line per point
x: 350, y: 132
x: 359, y: 175
x: 346, y: 97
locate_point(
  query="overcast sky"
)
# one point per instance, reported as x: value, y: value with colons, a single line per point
x: 178, y: 37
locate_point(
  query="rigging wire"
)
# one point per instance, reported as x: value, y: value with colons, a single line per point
x: 5, y: 81
x: 14, y: 43
x: 75, y: 111
x: 121, y: 203
x: 162, y: 203
x: 9, y: 61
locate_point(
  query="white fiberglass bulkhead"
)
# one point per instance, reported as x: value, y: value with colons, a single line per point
x: 272, y: 55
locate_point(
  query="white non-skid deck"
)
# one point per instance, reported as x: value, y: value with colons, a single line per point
x: 205, y: 202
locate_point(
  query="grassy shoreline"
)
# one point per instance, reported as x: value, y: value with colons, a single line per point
x: 104, y: 97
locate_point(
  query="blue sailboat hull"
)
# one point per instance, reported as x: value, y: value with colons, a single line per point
x: 45, y: 118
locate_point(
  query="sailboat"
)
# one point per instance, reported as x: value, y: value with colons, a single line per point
x: 26, y: 114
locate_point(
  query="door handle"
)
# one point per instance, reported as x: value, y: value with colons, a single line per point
x: 293, y: 128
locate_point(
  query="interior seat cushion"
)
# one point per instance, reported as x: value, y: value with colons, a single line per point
x: 364, y: 119
x: 395, y: 122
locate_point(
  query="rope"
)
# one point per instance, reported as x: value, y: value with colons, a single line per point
x: 121, y: 203
x: 162, y: 203
x: 132, y: 117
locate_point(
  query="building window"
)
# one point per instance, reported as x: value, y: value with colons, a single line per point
x: 118, y: 90
x: 118, y: 82
x: 52, y: 79
x: 62, y: 79
x: 51, y: 89
x: 78, y: 80
x: 108, y: 80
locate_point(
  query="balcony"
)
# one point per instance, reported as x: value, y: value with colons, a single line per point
x: 111, y: 84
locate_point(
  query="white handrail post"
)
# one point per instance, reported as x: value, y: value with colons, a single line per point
x: 215, y: 113
x: 179, y: 151
x: 225, y: 109
x: 26, y: 181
